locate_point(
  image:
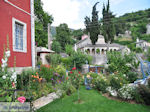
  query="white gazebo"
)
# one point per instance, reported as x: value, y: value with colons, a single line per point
x: 41, y: 54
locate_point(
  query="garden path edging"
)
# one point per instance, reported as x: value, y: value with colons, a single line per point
x: 44, y: 100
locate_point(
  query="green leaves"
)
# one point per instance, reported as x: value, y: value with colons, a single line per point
x: 108, y: 26
x: 56, y: 46
x: 63, y: 35
x: 121, y: 63
x: 41, y: 22
x: 93, y: 26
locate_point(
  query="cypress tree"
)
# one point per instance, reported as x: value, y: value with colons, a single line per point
x: 108, y: 26
x: 93, y: 26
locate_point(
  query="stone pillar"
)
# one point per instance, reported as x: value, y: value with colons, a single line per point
x: 85, y: 68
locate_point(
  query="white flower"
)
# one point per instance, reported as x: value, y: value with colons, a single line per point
x: 3, y: 61
x: 7, y: 53
x: 128, y: 64
x: 6, y: 59
x: 111, y: 91
x: 4, y: 77
x: 124, y: 75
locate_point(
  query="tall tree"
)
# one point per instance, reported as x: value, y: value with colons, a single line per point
x: 41, y: 21
x: 108, y: 27
x: 56, y: 46
x: 77, y: 34
x: 63, y: 35
x: 93, y: 26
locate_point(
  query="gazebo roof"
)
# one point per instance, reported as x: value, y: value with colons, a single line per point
x: 44, y: 50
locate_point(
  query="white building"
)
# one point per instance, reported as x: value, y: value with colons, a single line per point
x: 98, y: 51
x: 142, y: 44
x: 148, y: 29
x: 42, y: 52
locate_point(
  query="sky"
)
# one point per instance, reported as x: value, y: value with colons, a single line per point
x: 73, y: 12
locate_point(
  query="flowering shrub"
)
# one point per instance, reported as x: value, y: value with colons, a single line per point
x: 8, y: 80
x: 117, y: 81
x: 24, y: 79
x: 75, y: 78
x: 111, y: 91
x: 60, y: 69
x: 101, y: 83
x: 36, y: 77
x: 126, y: 92
x: 93, y: 77
x: 46, y: 72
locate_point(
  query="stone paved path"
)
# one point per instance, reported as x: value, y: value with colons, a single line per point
x: 45, y: 100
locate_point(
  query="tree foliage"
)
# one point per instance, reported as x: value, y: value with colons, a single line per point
x: 108, y: 26
x: 63, y: 35
x: 135, y: 22
x: 68, y: 49
x: 41, y: 21
x: 56, y: 46
x: 122, y: 63
x: 77, y: 34
x: 93, y: 26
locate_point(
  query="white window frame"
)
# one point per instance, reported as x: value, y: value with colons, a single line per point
x: 14, y: 21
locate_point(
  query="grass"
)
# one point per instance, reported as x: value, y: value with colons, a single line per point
x: 92, y: 102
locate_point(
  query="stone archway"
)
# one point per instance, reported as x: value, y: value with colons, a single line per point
x: 88, y: 51
x: 97, y: 51
x: 103, y: 51
x: 93, y: 51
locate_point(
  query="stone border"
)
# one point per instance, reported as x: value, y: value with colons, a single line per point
x: 44, y: 100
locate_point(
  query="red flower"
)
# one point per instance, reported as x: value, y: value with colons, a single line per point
x: 79, y: 72
x: 71, y: 72
x: 74, y: 68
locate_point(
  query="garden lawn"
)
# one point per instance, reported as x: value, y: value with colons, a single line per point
x: 93, y: 102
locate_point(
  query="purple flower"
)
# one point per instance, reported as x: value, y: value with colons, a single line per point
x: 52, y: 79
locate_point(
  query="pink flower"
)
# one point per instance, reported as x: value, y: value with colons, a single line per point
x: 71, y: 72
x: 21, y: 99
x: 13, y: 85
x: 74, y: 68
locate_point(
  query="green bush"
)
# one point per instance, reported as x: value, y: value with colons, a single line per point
x: 46, y: 72
x: 139, y: 50
x: 53, y: 59
x: 101, y: 83
x: 61, y: 70
x: 66, y: 62
x: 121, y: 63
x: 69, y: 49
x: 66, y: 88
x: 97, y: 51
x: 143, y: 93
x: 132, y: 76
x: 24, y: 79
x: 93, y: 76
x: 78, y: 58
x: 117, y: 81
